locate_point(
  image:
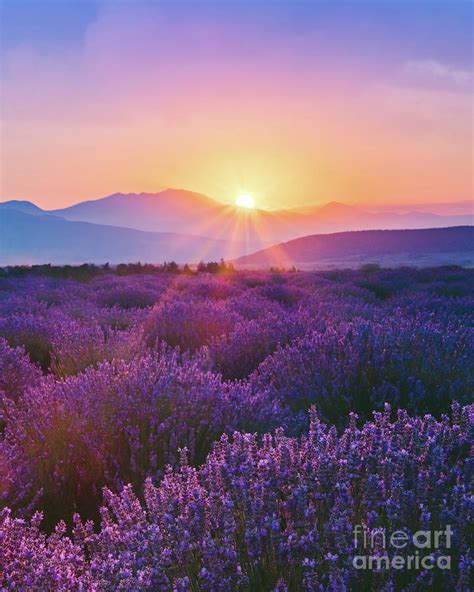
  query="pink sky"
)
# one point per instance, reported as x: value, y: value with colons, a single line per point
x: 147, y: 100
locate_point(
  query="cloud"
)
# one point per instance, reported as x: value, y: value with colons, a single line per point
x: 438, y: 70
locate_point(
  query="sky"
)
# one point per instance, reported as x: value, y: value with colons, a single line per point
x: 293, y: 102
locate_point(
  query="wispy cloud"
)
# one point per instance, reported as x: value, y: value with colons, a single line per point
x: 438, y: 70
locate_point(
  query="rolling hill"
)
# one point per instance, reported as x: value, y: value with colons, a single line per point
x: 434, y: 246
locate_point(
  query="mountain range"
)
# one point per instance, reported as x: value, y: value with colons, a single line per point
x: 181, y: 211
x: 180, y: 225
x: 33, y: 239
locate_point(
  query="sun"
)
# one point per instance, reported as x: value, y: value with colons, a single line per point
x: 245, y: 201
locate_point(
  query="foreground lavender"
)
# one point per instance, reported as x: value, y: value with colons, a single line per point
x: 274, y: 516
x: 105, y: 383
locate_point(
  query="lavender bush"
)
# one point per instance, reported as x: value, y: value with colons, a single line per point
x: 17, y: 372
x: 117, y: 424
x: 272, y: 516
x: 155, y: 430
x: 418, y: 364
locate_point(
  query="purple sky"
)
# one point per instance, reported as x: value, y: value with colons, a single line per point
x: 291, y: 102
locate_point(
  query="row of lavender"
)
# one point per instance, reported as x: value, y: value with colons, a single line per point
x: 143, y: 380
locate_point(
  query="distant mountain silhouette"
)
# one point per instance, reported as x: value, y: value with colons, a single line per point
x: 335, y: 209
x: 434, y: 246
x: 451, y: 208
x: 29, y: 239
x: 178, y: 210
x: 21, y: 206
x: 143, y: 211
x: 184, y: 218
x: 335, y: 217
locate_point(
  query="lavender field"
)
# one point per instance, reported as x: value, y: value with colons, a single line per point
x: 235, y: 430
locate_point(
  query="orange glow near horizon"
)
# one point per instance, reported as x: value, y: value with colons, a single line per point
x: 135, y: 107
x: 373, y: 162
